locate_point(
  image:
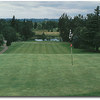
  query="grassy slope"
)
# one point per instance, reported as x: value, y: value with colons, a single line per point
x: 49, y: 75
x: 44, y: 70
x: 42, y: 48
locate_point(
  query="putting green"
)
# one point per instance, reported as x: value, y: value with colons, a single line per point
x: 30, y: 74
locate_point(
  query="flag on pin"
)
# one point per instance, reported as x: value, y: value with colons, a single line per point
x: 71, y: 45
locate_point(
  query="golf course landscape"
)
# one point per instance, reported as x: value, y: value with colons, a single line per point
x: 45, y: 69
x: 49, y: 48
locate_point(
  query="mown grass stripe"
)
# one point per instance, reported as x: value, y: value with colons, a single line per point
x: 49, y: 75
x: 43, y: 48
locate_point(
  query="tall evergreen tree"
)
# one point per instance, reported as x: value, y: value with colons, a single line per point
x: 26, y: 31
x: 9, y: 34
x: 64, y: 27
x: 97, y: 25
x: 35, y: 25
x: 1, y: 39
x: 93, y: 29
x: 13, y: 22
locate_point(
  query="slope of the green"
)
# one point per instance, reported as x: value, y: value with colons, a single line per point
x: 49, y: 74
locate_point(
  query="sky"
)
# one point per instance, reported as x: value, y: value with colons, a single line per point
x: 45, y: 9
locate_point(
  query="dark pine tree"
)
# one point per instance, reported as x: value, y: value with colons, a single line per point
x: 13, y: 22
x: 64, y: 27
x: 35, y: 25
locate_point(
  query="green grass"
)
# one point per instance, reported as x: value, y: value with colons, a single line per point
x: 49, y: 75
x: 40, y: 32
x: 42, y: 48
x: 38, y: 48
x: 45, y: 69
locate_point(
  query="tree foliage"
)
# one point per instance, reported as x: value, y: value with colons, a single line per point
x: 49, y: 25
x: 64, y: 27
x: 86, y: 30
x: 1, y: 39
x: 15, y: 30
x: 26, y: 31
x: 9, y: 34
x: 35, y: 25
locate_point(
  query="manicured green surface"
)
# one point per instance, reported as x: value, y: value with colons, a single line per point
x: 41, y: 48
x: 48, y: 75
x: 38, y: 48
x: 45, y: 69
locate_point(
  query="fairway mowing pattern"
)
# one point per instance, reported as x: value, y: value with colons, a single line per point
x: 48, y: 75
x: 38, y: 48
x: 45, y: 69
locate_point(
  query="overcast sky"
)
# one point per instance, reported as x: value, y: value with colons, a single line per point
x: 45, y: 9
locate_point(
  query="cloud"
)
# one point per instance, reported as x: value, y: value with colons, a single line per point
x: 45, y: 9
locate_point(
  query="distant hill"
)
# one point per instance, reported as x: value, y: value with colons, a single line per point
x: 34, y: 20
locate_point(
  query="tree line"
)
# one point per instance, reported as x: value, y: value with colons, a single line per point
x: 15, y: 30
x: 86, y: 30
x: 22, y: 30
x: 48, y: 25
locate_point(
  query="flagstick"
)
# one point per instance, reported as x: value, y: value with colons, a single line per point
x: 71, y: 55
x: 70, y: 38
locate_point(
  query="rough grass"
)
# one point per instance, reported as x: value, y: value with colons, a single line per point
x: 40, y: 32
x: 45, y: 69
x: 48, y: 33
